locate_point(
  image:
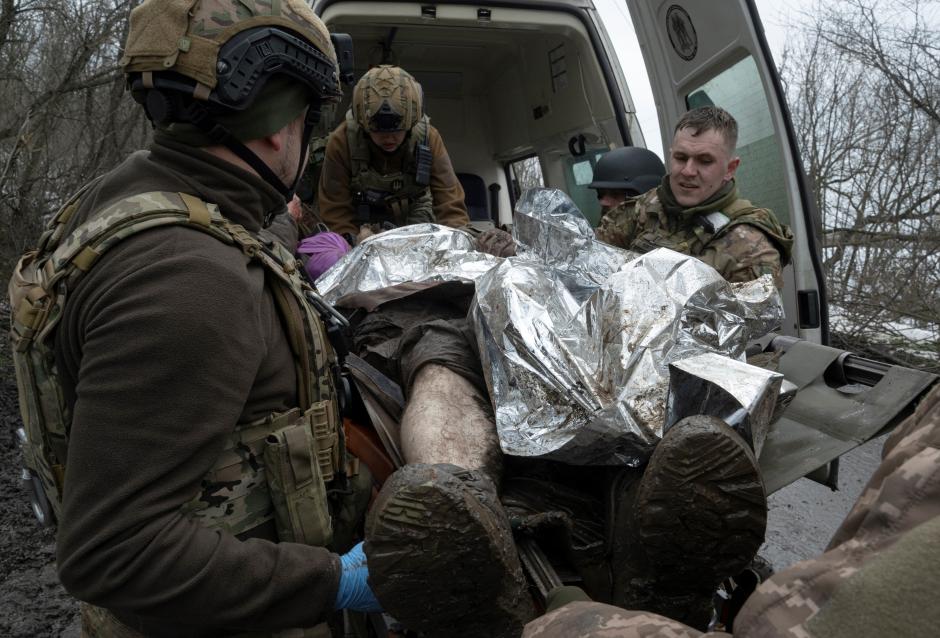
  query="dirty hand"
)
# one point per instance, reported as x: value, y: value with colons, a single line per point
x: 354, y: 591
x: 364, y: 232
x: 496, y: 242
x: 295, y: 209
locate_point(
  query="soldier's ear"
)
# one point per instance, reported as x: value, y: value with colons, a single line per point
x: 732, y: 167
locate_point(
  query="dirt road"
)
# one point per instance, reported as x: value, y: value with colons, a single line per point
x: 32, y: 603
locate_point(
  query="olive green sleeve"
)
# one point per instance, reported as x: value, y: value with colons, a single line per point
x: 449, y: 207
x: 334, y: 195
x: 422, y: 210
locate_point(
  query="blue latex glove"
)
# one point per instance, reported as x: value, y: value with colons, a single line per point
x: 354, y: 591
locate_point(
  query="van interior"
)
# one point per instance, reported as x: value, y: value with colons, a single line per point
x: 530, y: 93
x: 518, y: 94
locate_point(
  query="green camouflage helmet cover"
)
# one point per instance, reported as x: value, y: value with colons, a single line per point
x: 387, y: 88
x: 184, y: 36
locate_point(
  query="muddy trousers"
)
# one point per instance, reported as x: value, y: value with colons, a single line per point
x: 878, y: 577
x: 423, y: 343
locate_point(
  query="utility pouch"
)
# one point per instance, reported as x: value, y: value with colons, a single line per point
x: 370, y: 206
x: 298, y: 491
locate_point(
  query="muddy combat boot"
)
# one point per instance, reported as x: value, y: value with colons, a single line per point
x: 697, y: 516
x: 441, y: 555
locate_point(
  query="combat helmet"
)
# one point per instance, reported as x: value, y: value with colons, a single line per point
x: 193, y: 62
x: 387, y: 98
x: 629, y: 168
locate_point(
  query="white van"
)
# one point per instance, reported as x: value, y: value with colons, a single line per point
x: 530, y: 92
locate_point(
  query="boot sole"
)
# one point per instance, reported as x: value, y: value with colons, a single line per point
x: 441, y: 560
x: 701, y: 506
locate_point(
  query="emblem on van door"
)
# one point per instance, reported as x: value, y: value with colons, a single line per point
x: 681, y: 32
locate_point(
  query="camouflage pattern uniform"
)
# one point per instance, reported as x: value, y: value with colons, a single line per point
x: 178, y: 351
x: 742, y: 242
x: 878, y: 577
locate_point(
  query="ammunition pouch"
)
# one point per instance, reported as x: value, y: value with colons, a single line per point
x: 297, y: 459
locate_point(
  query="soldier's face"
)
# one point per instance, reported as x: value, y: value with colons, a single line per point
x: 608, y: 198
x: 387, y: 141
x: 699, y: 165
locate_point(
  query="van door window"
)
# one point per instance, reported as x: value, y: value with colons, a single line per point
x: 579, y: 172
x: 525, y: 173
x: 760, y: 177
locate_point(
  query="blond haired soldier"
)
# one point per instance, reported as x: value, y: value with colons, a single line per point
x: 386, y: 162
x: 186, y: 436
x: 697, y: 211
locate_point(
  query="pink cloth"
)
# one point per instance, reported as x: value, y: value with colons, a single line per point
x: 324, y: 250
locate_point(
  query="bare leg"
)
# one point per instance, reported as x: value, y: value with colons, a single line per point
x: 447, y: 420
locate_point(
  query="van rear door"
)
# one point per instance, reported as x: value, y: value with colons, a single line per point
x: 697, y: 55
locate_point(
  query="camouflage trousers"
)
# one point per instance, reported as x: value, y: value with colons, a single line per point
x: 878, y: 577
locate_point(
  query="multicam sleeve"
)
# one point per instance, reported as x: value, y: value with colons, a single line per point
x: 887, y: 541
x: 618, y: 225
x: 586, y: 619
x: 744, y: 253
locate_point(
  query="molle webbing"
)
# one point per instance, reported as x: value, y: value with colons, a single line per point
x: 38, y: 292
x: 234, y: 495
x: 401, y: 189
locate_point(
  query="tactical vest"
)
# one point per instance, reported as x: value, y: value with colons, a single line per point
x: 692, y: 237
x: 275, y: 469
x: 377, y: 197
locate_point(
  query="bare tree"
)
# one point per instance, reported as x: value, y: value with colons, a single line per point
x: 64, y: 117
x: 863, y: 82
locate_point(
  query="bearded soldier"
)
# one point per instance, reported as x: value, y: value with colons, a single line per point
x: 176, y: 384
x: 696, y: 210
x: 386, y: 163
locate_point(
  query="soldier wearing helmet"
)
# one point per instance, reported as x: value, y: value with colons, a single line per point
x: 625, y: 172
x: 386, y: 163
x: 189, y: 424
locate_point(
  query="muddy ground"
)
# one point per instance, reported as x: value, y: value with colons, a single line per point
x: 32, y: 603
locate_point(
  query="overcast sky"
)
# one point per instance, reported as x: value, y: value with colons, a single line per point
x: 775, y: 15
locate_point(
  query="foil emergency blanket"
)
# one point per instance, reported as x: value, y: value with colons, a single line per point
x: 575, y: 336
x: 548, y: 227
x: 741, y: 395
x: 587, y: 382
x: 421, y: 253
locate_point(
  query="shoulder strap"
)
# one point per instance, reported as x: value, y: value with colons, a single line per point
x: 129, y: 216
x: 357, y: 144
x: 68, y: 258
x: 420, y: 157
x: 741, y: 211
